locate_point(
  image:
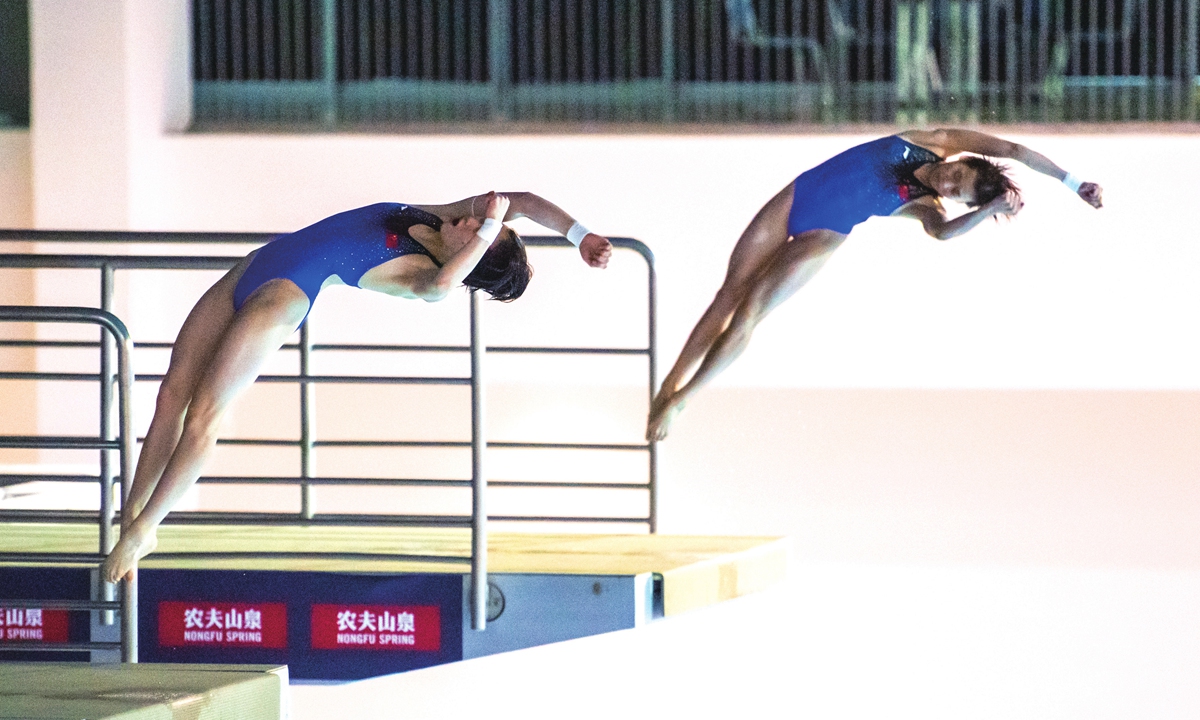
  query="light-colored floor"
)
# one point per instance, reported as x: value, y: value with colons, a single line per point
x: 848, y: 642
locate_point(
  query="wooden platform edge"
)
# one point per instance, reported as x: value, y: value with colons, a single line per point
x: 725, y: 577
x: 143, y: 691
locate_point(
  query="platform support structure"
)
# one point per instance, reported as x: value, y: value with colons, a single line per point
x: 124, y: 443
x: 107, y: 512
x: 652, y: 359
x: 479, y: 581
x: 308, y: 402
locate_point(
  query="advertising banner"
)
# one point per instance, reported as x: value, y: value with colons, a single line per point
x: 323, y: 625
x: 42, y: 626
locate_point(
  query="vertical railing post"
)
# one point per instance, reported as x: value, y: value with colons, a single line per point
x: 129, y: 606
x: 668, y: 59
x: 479, y: 580
x: 903, y: 50
x: 1190, y: 50
x: 106, y: 590
x: 329, y: 46
x: 652, y: 357
x: 308, y: 401
x: 500, y: 58
x: 912, y: 60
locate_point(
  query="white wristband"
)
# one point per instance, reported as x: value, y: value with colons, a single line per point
x: 489, y: 230
x: 577, y: 233
x: 1072, y: 182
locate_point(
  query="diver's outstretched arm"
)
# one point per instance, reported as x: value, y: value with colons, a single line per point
x: 937, y: 225
x: 952, y: 141
x: 595, y: 249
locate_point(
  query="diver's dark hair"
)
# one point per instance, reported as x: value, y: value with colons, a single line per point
x: 504, y: 270
x: 991, y: 180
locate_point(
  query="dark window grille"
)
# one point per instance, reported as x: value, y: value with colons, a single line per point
x: 347, y: 62
x: 14, y: 63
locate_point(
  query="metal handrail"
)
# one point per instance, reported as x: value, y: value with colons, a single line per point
x: 108, y: 264
x: 124, y: 445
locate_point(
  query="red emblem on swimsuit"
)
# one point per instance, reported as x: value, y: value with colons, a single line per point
x: 901, y: 190
x: 393, y: 240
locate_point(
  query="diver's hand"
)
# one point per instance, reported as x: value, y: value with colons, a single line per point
x: 495, y: 206
x: 1007, y: 205
x: 1092, y: 194
x: 596, y: 250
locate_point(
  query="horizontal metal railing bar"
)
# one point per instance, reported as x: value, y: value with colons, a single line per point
x: 58, y: 647
x: 55, y: 376
x: 264, y: 442
x: 346, y: 347
x: 10, y: 480
x: 194, y: 517
x: 568, y: 446
x: 414, y: 482
x: 552, y: 518
x: 341, y: 379
x: 517, y: 349
x: 197, y: 517
x: 150, y: 237
x: 189, y: 262
x: 464, y: 348
x: 19, y: 478
x: 59, y: 558
x: 51, y: 343
x: 302, y: 555
x: 58, y: 442
x: 118, y: 262
x: 63, y: 604
x: 134, y: 236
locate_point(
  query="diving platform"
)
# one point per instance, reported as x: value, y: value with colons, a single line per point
x: 330, y: 603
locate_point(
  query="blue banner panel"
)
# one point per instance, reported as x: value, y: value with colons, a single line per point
x: 324, y: 626
x: 43, y: 626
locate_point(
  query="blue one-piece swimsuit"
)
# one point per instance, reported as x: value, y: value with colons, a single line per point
x: 871, y: 179
x: 347, y: 245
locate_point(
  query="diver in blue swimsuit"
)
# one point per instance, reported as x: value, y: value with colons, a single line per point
x: 793, y: 235
x: 343, y: 248
x: 410, y: 251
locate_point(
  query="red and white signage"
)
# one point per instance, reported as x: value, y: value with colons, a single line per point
x: 376, y: 627
x: 33, y: 625
x: 207, y: 624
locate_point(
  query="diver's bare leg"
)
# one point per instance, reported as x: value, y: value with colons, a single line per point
x: 266, y: 320
x: 761, y: 239
x: 793, y: 265
x: 193, y: 348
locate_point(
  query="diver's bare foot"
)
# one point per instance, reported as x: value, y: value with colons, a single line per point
x: 123, y: 558
x: 661, y: 417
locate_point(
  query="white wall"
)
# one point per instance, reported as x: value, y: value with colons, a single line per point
x: 16, y: 211
x: 1064, y: 296
x: 1026, y: 393
x: 16, y: 204
x: 78, y: 115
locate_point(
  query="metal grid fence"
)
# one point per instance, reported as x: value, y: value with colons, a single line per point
x: 476, y: 520
x: 115, y: 340
x: 344, y: 63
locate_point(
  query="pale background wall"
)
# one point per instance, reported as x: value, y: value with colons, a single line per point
x: 1027, y: 396
x: 1027, y: 393
x: 16, y: 210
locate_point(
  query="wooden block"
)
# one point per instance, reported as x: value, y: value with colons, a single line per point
x: 67, y: 691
